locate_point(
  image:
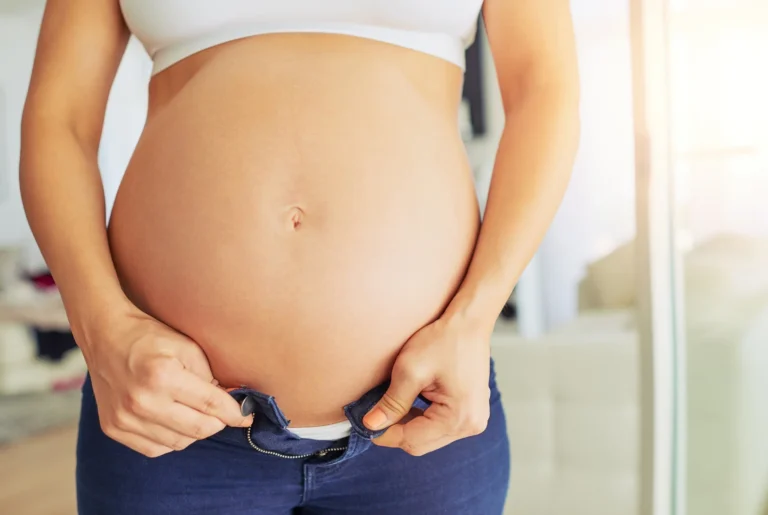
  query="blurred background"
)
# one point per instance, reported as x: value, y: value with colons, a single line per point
x: 632, y: 356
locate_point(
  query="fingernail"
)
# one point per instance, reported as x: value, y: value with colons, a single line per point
x: 376, y: 419
x: 248, y: 421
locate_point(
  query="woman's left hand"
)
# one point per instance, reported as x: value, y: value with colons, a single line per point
x: 448, y: 363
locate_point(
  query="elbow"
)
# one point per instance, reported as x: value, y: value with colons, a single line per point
x: 564, y: 101
x: 45, y: 130
x: 39, y: 134
x: 27, y: 138
x: 552, y: 105
x: 30, y: 146
x: 566, y: 128
x: 34, y: 123
x: 557, y: 92
x: 566, y: 98
x: 572, y: 115
x: 32, y: 141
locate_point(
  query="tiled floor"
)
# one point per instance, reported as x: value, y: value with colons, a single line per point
x: 37, y: 475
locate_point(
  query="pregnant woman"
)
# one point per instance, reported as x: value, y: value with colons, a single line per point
x: 289, y: 311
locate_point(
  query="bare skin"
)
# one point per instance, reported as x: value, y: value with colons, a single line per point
x: 298, y: 225
x: 298, y: 216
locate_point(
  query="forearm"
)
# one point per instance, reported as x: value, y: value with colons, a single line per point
x: 64, y: 201
x: 532, y: 170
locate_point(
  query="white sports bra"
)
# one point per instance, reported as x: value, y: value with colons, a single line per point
x: 171, y: 30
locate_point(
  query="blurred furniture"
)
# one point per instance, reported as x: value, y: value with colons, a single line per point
x: 571, y: 400
x: 573, y: 416
x: 21, y: 370
x: 726, y: 351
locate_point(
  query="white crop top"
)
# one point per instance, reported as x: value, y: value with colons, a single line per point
x: 171, y: 30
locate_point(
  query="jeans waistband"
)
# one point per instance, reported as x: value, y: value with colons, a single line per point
x: 269, y: 432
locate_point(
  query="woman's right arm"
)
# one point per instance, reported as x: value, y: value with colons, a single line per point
x: 153, y: 386
x: 79, y: 49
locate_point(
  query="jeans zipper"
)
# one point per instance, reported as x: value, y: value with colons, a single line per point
x: 319, y: 454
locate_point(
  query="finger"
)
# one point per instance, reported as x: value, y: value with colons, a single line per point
x: 192, y: 391
x: 432, y: 446
x: 139, y: 444
x: 396, y: 402
x: 422, y: 432
x: 190, y: 422
x: 424, y: 449
x: 413, y: 413
x: 159, y: 434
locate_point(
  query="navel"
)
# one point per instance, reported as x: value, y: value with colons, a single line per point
x: 295, y: 218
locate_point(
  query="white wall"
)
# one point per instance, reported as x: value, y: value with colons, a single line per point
x: 125, y: 117
x: 598, y: 211
x: 18, y: 33
x: 126, y: 114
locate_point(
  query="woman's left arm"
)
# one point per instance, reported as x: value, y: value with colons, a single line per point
x: 534, y: 50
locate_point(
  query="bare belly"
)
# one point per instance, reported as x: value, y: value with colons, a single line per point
x: 299, y: 206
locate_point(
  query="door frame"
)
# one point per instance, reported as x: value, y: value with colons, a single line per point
x: 659, y: 283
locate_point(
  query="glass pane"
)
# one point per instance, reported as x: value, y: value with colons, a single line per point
x: 720, y: 145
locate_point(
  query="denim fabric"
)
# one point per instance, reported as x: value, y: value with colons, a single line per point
x: 226, y: 474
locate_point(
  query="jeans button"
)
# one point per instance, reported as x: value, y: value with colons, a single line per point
x: 247, y: 406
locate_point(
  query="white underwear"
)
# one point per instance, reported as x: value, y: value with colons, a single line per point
x: 330, y: 433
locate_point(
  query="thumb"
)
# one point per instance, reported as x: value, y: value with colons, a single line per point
x: 395, y: 404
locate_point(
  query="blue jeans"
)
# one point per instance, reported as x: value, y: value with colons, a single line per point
x: 270, y: 471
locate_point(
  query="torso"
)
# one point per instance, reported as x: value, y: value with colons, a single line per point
x: 299, y: 205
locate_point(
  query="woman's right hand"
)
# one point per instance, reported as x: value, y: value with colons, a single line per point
x: 154, y: 388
